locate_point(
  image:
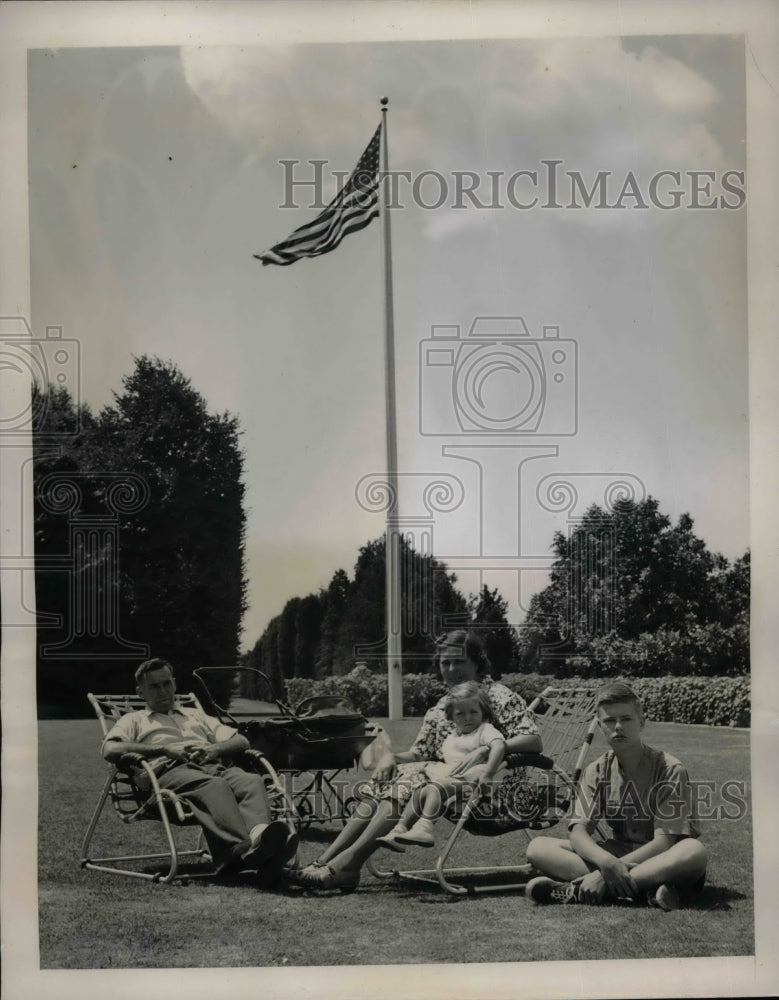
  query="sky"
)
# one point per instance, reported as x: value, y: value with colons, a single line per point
x: 156, y: 174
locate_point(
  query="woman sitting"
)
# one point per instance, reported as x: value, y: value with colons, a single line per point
x: 460, y: 657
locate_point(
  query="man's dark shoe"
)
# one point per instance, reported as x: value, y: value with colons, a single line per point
x: 234, y: 862
x: 290, y: 849
x: 270, y: 844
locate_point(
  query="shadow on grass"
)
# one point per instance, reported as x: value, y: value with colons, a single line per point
x: 715, y: 897
x: 319, y: 834
x: 711, y: 898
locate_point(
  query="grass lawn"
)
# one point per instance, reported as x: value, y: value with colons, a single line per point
x: 94, y: 920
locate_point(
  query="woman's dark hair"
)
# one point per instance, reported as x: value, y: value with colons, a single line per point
x: 470, y: 643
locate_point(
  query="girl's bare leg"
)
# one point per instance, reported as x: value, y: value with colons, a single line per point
x: 413, y: 809
x: 431, y: 802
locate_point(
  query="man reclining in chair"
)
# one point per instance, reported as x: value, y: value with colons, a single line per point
x: 644, y: 796
x: 189, y: 752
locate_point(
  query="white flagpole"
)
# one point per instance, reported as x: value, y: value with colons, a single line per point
x: 392, y: 536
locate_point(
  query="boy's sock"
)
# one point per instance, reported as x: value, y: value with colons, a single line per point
x: 665, y: 897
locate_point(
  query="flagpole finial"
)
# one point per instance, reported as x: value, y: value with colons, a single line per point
x: 384, y: 102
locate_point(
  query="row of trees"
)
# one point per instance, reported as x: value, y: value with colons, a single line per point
x: 324, y: 633
x: 629, y: 592
x: 139, y: 533
x: 139, y: 543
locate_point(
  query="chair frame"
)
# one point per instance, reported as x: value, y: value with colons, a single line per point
x: 132, y: 804
x: 567, y: 742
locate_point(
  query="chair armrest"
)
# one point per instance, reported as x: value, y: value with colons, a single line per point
x: 539, y: 760
x: 262, y: 765
x: 129, y: 760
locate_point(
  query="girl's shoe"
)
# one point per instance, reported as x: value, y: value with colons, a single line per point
x: 324, y: 877
x: 390, y: 842
x: 420, y: 834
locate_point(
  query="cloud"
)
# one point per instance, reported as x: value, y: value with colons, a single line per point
x: 281, y: 97
x: 492, y: 105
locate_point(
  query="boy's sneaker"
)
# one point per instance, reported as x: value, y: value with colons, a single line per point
x: 546, y: 890
x: 665, y: 897
x: 420, y: 834
x: 390, y: 842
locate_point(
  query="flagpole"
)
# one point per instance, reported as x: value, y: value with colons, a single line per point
x: 392, y: 536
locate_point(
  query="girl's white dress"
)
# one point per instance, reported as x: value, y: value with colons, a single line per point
x: 456, y: 747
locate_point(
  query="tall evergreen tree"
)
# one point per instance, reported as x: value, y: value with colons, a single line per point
x: 334, y: 601
x: 63, y: 446
x: 429, y: 601
x: 488, y: 616
x: 308, y: 623
x: 264, y: 656
x: 182, y: 555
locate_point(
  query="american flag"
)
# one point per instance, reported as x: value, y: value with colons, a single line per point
x: 355, y: 205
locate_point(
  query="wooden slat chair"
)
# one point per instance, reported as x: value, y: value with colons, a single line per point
x: 132, y: 804
x: 567, y: 722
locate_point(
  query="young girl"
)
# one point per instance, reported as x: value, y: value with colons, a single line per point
x: 470, y: 711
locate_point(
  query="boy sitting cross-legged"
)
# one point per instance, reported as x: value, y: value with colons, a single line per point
x: 644, y: 797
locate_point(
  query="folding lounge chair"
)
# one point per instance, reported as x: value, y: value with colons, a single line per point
x: 133, y: 804
x: 567, y: 722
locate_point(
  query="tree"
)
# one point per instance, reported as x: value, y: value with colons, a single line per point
x: 627, y: 573
x: 63, y: 446
x: 264, y: 656
x: 333, y: 602
x: 324, y: 633
x: 182, y: 555
x: 308, y: 623
x: 429, y: 601
x: 488, y: 615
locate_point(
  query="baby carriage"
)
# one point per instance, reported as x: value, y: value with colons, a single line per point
x: 309, y: 745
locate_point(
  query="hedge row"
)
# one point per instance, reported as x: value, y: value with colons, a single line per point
x: 709, y: 650
x: 712, y: 701
x: 368, y: 692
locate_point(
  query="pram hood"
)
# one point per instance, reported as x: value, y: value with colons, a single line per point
x: 321, y: 732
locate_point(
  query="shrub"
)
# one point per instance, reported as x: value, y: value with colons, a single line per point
x: 709, y: 650
x: 712, y: 701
